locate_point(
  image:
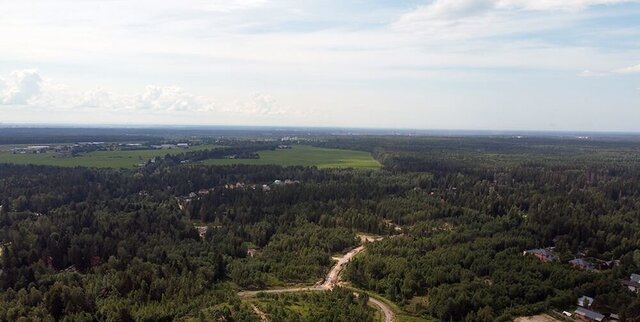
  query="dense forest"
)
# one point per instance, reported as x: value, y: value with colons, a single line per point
x: 82, y: 244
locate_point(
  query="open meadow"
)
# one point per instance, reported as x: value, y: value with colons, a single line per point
x: 97, y: 159
x: 305, y: 155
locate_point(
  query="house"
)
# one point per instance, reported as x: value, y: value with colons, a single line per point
x: 585, y: 301
x: 183, y: 145
x: 581, y: 264
x: 202, y: 231
x: 632, y: 285
x: 635, y: 277
x: 602, y: 265
x: 589, y: 315
x: 543, y: 254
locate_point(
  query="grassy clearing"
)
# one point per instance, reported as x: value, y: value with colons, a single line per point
x: 308, y: 156
x: 97, y: 159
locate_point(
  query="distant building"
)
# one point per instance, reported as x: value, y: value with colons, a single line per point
x: 589, y: 315
x: 608, y: 264
x: 543, y: 254
x: 633, y: 286
x: 635, y: 277
x: 31, y: 149
x: 581, y: 264
x: 585, y: 301
x: 202, y: 231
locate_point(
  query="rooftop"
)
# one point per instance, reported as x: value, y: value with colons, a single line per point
x: 590, y: 314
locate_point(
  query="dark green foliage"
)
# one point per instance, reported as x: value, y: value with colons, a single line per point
x: 339, y: 305
x: 104, y: 245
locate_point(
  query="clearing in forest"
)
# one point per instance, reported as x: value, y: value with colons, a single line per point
x: 97, y: 159
x: 305, y: 155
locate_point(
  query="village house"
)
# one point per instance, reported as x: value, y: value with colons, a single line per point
x: 543, y: 254
x: 202, y: 231
x: 581, y: 264
x: 238, y: 185
x: 589, y: 315
x: 633, y: 284
x: 251, y: 252
x: 203, y: 192
x: 585, y: 301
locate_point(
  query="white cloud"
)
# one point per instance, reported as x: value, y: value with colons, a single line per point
x: 258, y: 104
x: 232, y: 5
x: 619, y: 71
x: 592, y: 73
x: 20, y: 87
x: 457, y: 9
x: 628, y: 70
x: 170, y: 99
x: 469, y: 18
x: 28, y: 89
x: 564, y: 5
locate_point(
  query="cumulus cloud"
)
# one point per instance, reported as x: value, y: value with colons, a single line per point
x: 20, y: 87
x: 28, y: 89
x: 258, y: 104
x: 171, y: 99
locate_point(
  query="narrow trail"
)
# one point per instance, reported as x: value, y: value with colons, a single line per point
x: 329, y: 282
x: 258, y: 312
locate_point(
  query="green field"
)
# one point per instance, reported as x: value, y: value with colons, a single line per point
x: 307, y: 156
x: 97, y: 159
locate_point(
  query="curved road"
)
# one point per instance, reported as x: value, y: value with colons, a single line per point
x: 329, y: 282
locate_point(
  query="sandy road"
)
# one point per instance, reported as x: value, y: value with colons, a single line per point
x: 329, y: 282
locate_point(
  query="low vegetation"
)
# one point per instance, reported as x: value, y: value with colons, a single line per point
x: 302, y: 155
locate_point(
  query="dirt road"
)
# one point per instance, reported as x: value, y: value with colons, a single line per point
x: 386, y: 310
x: 329, y: 282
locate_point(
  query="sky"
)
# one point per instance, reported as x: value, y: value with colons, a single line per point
x: 558, y: 65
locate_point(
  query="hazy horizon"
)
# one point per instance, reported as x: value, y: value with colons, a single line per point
x: 489, y: 65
